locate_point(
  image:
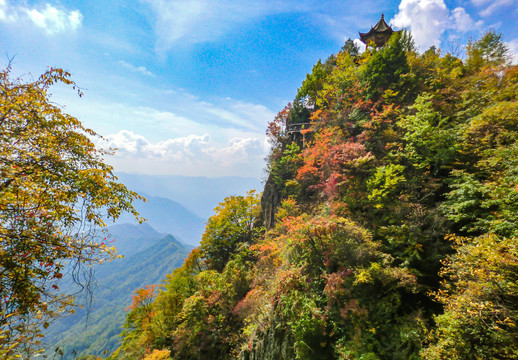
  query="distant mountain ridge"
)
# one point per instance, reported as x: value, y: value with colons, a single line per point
x: 129, y: 239
x: 168, y: 216
x: 198, y: 194
x: 149, y: 257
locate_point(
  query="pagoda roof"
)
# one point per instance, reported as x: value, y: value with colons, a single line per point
x: 380, y: 28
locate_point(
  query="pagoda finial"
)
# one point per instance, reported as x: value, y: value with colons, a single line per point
x: 382, y: 16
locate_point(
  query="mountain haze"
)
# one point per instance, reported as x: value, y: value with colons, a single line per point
x: 170, y: 217
x: 129, y: 239
x: 149, y: 263
x: 198, y: 194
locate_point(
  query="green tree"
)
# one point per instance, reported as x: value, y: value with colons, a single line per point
x: 313, y: 83
x: 55, y: 192
x: 233, y: 223
x: 429, y: 139
x: 488, y: 51
x: 384, y: 70
x: 479, y: 295
x: 351, y: 48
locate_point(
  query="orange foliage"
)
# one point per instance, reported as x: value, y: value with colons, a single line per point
x: 331, y: 160
x: 143, y: 297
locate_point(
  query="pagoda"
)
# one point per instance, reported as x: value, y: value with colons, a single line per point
x: 379, y: 34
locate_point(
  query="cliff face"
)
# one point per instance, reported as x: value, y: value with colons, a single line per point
x: 269, y: 202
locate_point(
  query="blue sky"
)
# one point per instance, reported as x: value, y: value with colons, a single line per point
x: 187, y: 87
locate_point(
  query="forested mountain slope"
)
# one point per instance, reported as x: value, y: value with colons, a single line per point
x: 129, y: 239
x: 168, y: 216
x: 97, y: 332
x: 392, y: 208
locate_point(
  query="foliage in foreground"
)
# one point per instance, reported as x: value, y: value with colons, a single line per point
x: 396, y: 235
x: 55, y: 190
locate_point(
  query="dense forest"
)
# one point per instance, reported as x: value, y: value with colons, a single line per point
x: 387, y: 229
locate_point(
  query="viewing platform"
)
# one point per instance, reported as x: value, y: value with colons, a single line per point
x: 296, y: 128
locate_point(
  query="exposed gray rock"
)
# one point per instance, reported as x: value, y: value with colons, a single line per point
x: 269, y: 202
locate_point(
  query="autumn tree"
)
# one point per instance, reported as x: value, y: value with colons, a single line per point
x: 479, y: 296
x: 193, y: 317
x: 404, y: 153
x: 233, y: 223
x: 55, y: 192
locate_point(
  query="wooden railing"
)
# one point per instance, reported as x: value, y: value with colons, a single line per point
x: 296, y: 128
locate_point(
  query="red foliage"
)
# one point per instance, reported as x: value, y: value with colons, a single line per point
x: 335, y: 288
x: 331, y: 160
x: 249, y: 303
x: 276, y: 127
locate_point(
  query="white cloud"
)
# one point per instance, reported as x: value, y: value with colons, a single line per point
x: 426, y: 19
x: 7, y: 13
x: 140, y: 69
x: 490, y: 6
x: 429, y: 20
x: 54, y: 21
x: 169, y: 131
x: 192, y: 155
x: 252, y: 117
x: 241, y: 150
x: 49, y: 18
x: 360, y: 44
x: 513, y: 50
x: 198, y: 21
x: 462, y: 22
x: 177, y: 149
